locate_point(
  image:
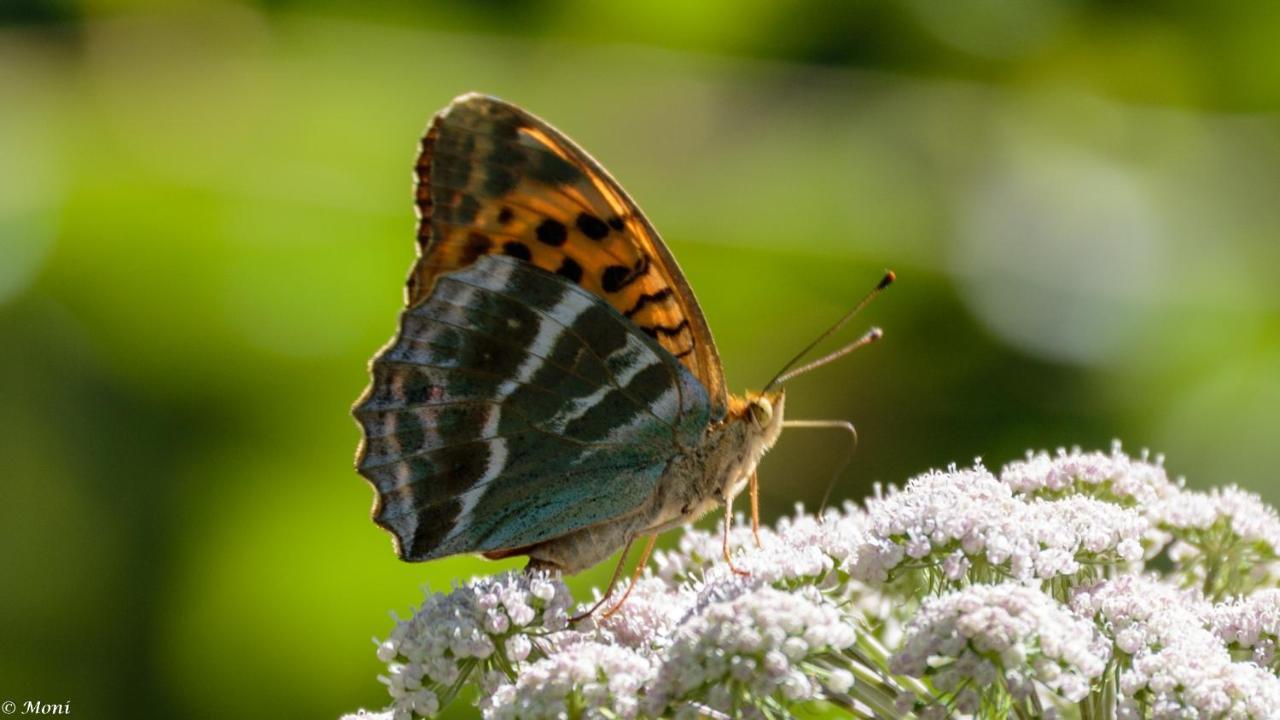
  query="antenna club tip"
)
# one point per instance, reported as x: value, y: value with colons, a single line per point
x: 887, y: 280
x: 874, y: 334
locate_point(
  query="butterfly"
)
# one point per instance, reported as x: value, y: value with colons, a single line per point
x: 553, y: 389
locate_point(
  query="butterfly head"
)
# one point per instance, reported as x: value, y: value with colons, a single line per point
x: 761, y: 414
x: 751, y: 428
x: 764, y: 413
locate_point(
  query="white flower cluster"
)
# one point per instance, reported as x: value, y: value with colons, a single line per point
x: 1110, y: 476
x: 1007, y: 634
x: 589, y: 680
x: 1171, y: 665
x: 956, y: 520
x: 1242, y: 513
x: 654, y: 609
x: 1226, y: 540
x: 1231, y: 509
x: 1251, y: 623
x: 477, y: 626
x: 759, y: 646
x: 1199, y: 528
x: 962, y: 594
x: 804, y: 547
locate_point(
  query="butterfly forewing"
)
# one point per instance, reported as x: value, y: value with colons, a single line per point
x: 513, y: 407
x: 495, y: 180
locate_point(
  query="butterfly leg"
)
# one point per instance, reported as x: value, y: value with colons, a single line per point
x: 635, y: 576
x: 728, y: 522
x: 754, y: 486
x: 617, y: 571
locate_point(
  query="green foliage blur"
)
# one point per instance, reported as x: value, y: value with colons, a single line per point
x: 206, y: 219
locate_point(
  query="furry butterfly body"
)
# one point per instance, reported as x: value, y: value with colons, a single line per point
x: 553, y: 389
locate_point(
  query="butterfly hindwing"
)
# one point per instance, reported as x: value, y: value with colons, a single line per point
x: 495, y: 180
x: 513, y: 407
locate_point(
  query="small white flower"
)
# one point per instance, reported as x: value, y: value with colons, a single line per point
x: 755, y: 640
x: 652, y: 611
x: 956, y: 565
x: 1007, y: 631
x: 839, y: 681
x: 387, y: 651
x: 1251, y: 623
x: 956, y: 518
x: 518, y: 647
x: 1226, y: 540
x: 1139, y: 482
x: 1177, y: 664
x: 601, y: 679
x: 471, y: 622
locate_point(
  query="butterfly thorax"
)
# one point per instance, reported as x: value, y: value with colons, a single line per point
x: 695, y: 482
x: 714, y: 473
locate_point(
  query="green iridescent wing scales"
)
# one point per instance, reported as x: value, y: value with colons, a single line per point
x: 514, y: 407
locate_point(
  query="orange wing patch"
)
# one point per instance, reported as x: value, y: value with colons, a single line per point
x: 494, y: 179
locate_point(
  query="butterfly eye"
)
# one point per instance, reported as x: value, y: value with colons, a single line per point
x: 761, y: 412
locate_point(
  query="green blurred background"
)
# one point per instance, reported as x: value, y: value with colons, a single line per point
x: 205, y: 222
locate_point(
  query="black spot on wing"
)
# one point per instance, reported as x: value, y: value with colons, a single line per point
x: 552, y: 232
x: 613, y: 276
x: 592, y: 226
x: 517, y: 250
x: 570, y: 270
x: 617, y: 277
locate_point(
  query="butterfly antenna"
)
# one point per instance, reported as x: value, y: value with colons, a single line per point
x: 786, y: 373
